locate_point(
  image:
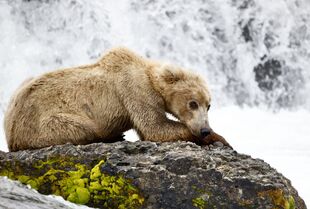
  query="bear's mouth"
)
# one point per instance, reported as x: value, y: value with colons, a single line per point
x: 194, y: 132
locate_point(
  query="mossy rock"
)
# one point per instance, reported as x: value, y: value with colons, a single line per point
x: 152, y: 175
x: 76, y: 182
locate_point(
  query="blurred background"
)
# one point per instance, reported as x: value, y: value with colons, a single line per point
x: 254, y: 54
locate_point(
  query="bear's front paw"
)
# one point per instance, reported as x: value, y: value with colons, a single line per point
x: 213, y: 138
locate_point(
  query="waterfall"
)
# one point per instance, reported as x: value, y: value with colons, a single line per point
x: 250, y: 52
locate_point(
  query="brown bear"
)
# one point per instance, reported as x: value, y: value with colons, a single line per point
x: 98, y: 102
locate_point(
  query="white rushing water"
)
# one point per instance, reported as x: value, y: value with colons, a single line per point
x: 255, y: 55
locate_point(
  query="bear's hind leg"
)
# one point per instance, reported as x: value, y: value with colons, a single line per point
x: 63, y: 128
x: 112, y: 139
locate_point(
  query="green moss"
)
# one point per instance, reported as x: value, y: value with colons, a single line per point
x: 199, y: 203
x: 279, y: 200
x: 77, y: 182
x: 79, y: 195
x: 201, y: 200
x: 290, y: 204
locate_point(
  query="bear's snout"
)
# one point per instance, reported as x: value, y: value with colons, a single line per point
x: 204, y: 132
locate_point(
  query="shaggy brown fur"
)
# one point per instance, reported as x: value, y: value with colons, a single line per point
x: 97, y: 103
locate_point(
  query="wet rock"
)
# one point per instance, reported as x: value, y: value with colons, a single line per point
x: 246, y: 31
x: 2, y: 155
x: 267, y: 74
x: 14, y: 195
x: 278, y: 81
x: 156, y: 175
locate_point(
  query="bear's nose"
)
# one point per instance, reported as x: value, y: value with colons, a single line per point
x: 204, y: 132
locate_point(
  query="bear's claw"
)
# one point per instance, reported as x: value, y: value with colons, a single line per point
x: 214, y: 137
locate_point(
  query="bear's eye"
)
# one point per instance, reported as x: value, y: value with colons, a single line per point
x: 208, y: 107
x: 193, y: 105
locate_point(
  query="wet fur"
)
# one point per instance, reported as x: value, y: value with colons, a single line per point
x: 98, y: 102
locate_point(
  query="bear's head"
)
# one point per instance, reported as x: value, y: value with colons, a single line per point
x: 186, y: 97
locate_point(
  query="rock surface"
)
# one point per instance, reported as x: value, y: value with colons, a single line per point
x: 152, y: 175
x: 14, y: 195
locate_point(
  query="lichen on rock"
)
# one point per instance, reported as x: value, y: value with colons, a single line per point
x: 279, y: 199
x: 152, y: 176
x: 76, y: 182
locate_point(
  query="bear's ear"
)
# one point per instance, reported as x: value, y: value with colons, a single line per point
x: 171, y: 75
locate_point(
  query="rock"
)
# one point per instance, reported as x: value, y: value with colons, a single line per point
x: 274, y: 78
x: 246, y: 31
x: 14, y: 195
x: 152, y: 175
x: 267, y: 74
x: 2, y: 155
x: 218, y: 144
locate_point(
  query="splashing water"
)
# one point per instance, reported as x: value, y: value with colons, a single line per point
x: 251, y: 52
